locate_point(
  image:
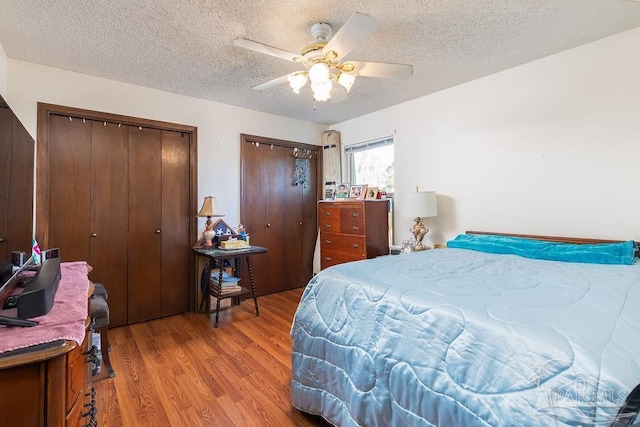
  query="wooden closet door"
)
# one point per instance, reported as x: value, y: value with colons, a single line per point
x: 176, y: 214
x: 69, y: 180
x: 145, y: 224
x: 294, y: 222
x: 109, y: 214
x: 278, y: 214
x: 263, y: 212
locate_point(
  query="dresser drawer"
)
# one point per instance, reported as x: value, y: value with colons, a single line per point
x: 352, y: 227
x: 77, y: 372
x: 344, y: 227
x: 355, y: 245
x: 344, y: 211
x: 330, y: 258
x: 329, y: 226
x: 352, y: 213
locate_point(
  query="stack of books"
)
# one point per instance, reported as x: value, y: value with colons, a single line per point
x: 229, y: 285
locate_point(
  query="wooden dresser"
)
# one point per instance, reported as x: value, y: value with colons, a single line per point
x: 49, y: 384
x: 352, y: 230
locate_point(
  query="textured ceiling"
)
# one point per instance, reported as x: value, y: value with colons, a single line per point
x: 185, y: 46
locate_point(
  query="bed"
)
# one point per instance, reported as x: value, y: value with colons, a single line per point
x: 473, y: 336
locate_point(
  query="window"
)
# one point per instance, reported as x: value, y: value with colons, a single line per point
x: 371, y: 163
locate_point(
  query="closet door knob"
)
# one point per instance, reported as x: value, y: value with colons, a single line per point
x: 158, y: 231
x: 94, y: 235
x: 268, y: 225
x: 2, y: 240
x: 300, y: 223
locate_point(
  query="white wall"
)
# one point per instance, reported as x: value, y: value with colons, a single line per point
x: 551, y: 147
x: 219, y: 125
x: 3, y: 73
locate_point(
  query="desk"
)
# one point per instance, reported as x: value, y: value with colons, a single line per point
x: 216, y: 261
x: 44, y: 370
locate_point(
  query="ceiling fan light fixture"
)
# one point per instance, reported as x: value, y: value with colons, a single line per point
x: 322, y: 90
x: 346, y: 80
x: 319, y: 73
x: 297, y: 81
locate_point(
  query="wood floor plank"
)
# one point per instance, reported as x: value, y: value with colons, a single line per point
x: 181, y: 371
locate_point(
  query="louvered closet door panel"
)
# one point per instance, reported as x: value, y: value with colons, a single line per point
x: 109, y: 214
x: 70, y: 188
x: 176, y: 215
x: 145, y: 224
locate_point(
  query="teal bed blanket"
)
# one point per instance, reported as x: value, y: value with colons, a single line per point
x: 602, y: 253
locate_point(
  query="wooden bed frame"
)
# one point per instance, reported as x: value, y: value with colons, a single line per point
x: 560, y: 239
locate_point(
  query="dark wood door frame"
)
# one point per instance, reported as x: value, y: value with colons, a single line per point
x: 46, y: 111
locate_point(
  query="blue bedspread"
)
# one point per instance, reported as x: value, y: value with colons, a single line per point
x: 455, y: 337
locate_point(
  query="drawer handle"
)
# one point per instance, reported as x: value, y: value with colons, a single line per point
x: 327, y: 213
x: 92, y: 393
x: 93, y: 354
x: 355, y: 214
x: 327, y: 226
x: 2, y: 239
x: 328, y: 242
x: 327, y: 258
x: 355, y: 227
x: 355, y: 245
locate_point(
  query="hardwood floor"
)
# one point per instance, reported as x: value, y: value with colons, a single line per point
x: 181, y: 371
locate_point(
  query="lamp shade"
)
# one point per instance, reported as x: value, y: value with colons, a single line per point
x: 416, y: 204
x: 209, y: 208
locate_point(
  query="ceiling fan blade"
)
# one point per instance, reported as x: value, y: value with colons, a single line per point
x: 268, y: 50
x: 353, y: 33
x: 383, y: 70
x: 274, y: 82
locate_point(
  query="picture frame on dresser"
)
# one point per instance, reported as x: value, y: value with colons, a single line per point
x: 329, y: 194
x: 372, y: 193
x: 357, y: 191
x: 342, y: 191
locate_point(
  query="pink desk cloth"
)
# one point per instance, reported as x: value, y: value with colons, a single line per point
x: 67, y: 317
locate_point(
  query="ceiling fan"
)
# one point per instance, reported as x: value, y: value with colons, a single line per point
x: 324, y: 60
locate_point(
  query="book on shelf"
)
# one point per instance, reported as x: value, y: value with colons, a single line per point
x: 227, y: 280
x: 229, y: 289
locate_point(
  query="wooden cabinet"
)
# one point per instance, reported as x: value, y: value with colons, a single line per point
x: 352, y: 230
x: 16, y: 184
x: 119, y: 192
x: 49, y: 385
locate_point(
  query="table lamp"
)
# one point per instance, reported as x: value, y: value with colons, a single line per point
x: 418, y: 205
x: 209, y: 209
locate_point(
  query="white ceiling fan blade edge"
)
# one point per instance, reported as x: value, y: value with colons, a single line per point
x: 275, y: 82
x: 383, y: 70
x: 353, y: 33
x: 267, y: 50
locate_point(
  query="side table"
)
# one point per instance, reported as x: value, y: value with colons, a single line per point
x: 217, y: 258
